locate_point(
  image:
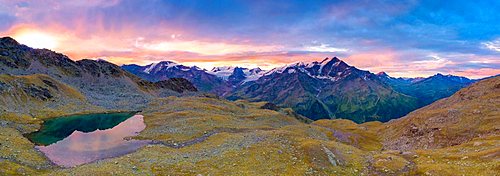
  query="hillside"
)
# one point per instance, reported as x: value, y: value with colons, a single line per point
x: 212, y: 136
x: 102, y: 83
x: 470, y: 113
x: 38, y: 96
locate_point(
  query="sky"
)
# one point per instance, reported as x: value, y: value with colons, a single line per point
x: 403, y: 38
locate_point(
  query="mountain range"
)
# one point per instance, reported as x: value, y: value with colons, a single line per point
x: 193, y: 133
x: 219, y: 80
x: 427, y: 90
x: 321, y: 89
x: 328, y: 89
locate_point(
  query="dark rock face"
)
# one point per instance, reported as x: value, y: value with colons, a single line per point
x: 4, y: 87
x: 176, y: 84
x: 270, y: 106
x: 50, y: 84
x: 237, y: 77
x: 38, y: 92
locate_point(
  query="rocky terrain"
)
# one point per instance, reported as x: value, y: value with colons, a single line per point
x: 472, y: 112
x: 207, y: 135
x: 32, y: 93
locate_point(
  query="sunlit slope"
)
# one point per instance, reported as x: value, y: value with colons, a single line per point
x: 38, y: 96
x: 470, y: 113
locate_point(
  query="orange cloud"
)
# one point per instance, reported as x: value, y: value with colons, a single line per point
x: 477, y: 73
x: 375, y: 61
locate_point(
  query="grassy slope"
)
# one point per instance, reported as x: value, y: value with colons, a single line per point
x: 201, y: 135
x: 470, y: 113
x: 38, y: 96
x: 241, y: 139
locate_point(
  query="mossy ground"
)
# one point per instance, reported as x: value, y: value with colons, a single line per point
x: 210, y: 136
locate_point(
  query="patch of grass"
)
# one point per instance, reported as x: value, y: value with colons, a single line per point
x: 363, y: 136
x: 16, y: 148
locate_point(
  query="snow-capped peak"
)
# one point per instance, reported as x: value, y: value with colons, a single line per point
x: 305, y: 65
x: 329, y: 68
x: 226, y: 71
x: 155, y: 67
x: 222, y: 69
x: 327, y: 60
x: 222, y: 72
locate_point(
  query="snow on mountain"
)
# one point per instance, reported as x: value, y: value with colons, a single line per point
x: 155, y: 67
x: 226, y: 72
x: 329, y: 68
x: 222, y: 72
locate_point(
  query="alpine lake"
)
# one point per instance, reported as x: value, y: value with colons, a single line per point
x: 78, y: 139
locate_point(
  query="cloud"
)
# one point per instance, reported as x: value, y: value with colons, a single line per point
x: 493, y: 45
x: 324, y: 48
x: 204, y: 48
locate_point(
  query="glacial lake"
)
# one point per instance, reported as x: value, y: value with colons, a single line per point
x: 74, y: 140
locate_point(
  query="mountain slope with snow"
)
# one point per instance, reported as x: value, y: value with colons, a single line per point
x: 168, y: 69
x: 328, y: 89
x: 237, y: 75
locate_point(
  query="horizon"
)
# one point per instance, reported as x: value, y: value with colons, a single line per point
x: 403, y: 38
x: 209, y: 67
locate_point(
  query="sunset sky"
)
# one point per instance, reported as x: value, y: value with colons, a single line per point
x: 403, y: 38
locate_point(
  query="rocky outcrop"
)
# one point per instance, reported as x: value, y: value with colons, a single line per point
x: 39, y: 95
x: 179, y: 85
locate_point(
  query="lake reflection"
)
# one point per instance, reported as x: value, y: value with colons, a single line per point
x: 80, y: 147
